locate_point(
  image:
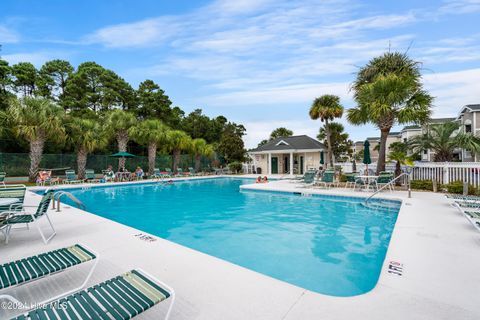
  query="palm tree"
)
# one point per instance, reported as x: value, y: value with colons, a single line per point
x: 118, y: 122
x: 36, y: 120
x: 200, y: 148
x: 327, y: 108
x: 152, y: 133
x: 178, y: 141
x: 399, y: 154
x: 86, y: 135
x: 388, y: 90
x: 280, y: 133
x: 443, y: 139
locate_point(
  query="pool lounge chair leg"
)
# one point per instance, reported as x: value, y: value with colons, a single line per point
x: 45, y: 240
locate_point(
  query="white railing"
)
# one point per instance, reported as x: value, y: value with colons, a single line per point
x: 446, y: 172
x: 442, y: 172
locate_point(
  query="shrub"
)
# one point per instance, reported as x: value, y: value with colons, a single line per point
x: 235, y: 166
x: 457, y: 187
x: 343, y: 178
x: 422, y: 185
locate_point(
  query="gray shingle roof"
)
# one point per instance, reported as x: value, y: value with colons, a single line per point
x: 441, y: 120
x: 302, y: 142
x: 475, y: 107
x: 413, y: 127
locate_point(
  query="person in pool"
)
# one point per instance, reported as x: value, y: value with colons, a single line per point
x: 259, y: 180
x: 265, y: 179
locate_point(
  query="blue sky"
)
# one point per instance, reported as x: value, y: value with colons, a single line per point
x: 258, y: 62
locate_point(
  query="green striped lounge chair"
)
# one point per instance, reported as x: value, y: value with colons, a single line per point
x: 90, y: 176
x: 473, y: 217
x: 19, y: 272
x: 351, y: 177
x: 2, y: 178
x: 192, y: 171
x: 156, y: 174
x: 328, y: 179
x: 14, y: 217
x: 308, y: 179
x: 462, y: 198
x: 123, y: 297
x: 71, y: 177
x: 384, y: 179
x: 13, y: 191
x: 169, y: 172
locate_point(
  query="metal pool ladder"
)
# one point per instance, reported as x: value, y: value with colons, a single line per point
x: 391, y: 183
x: 59, y: 194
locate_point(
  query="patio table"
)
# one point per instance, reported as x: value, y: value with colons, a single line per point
x: 368, y: 179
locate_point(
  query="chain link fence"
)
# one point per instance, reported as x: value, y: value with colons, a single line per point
x: 17, y: 164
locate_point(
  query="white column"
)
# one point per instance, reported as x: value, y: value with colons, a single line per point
x: 291, y: 163
x: 269, y: 165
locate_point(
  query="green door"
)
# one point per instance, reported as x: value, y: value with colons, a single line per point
x: 274, y: 165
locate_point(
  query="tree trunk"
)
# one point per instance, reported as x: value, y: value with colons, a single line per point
x: 36, y: 151
x: 398, y: 171
x: 329, y: 144
x: 176, y: 160
x: 383, y: 149
x: 122, y: 141
x: 197, y: 162
x: 152, y: 154
x: 354, y: 166
x: 81, y: 162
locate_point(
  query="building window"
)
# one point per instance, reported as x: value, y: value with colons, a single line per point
x: 468, y: 128
x: 425, y: 151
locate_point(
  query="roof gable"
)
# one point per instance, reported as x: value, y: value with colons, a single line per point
x: 302, y: 142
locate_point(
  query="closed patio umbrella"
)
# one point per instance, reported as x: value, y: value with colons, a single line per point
x: 322, y: 160
x: 366, y: 154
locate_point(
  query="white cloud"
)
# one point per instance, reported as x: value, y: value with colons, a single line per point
x: 294, y: 94
x: 8, y: 35
x: 259, y: 130
x: 36, y: 58
x: 460, y: 7
x: 453, y: 90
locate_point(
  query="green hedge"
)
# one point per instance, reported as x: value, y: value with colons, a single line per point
x: 422, y: 185
x: 457, y: 187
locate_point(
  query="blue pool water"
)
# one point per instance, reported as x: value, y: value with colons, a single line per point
x: 335, y: 246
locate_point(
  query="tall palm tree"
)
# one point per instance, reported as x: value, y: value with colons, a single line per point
x: 118, y: 122
x: 200, y: 148
x: 36, y: 120
x: 388, y: 90
x: 443, y: 139
x: 152, y: 133
x: 86, y: 135
x: 178, y: 141
x: 327, y: 108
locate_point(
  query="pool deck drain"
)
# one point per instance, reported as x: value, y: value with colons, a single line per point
x: 440, y: 278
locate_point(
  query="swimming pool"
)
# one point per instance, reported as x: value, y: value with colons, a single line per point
x: 330, y: 245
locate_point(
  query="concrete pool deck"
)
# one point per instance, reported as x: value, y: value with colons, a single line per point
x: 437, y: 247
